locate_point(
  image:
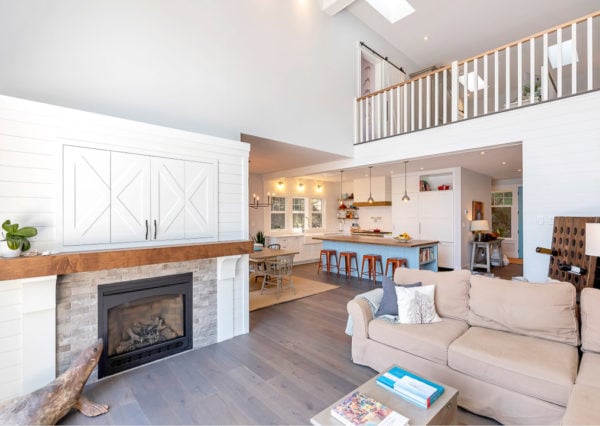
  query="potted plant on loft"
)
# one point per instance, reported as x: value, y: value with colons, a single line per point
x: 259, y: 240
x: 14, y: 239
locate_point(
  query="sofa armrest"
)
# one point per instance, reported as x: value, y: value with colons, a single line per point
x: 361, y: 314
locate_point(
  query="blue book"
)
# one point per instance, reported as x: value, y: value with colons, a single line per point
x: 409, y: 386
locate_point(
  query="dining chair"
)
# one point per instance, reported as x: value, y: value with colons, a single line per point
x: 278, y: 273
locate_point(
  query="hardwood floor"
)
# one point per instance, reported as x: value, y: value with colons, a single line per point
x: 294, y: 362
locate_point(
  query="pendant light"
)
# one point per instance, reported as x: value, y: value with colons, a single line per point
x: 342, y: 205
x: 405, y: 197
x: 370, y: 200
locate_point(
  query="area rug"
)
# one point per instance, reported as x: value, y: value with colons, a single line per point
x: 304, y: 288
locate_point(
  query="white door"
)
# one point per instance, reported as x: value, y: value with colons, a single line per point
x: 405, y: 215
x: 200, y: 200
x: 435, y: 215
x: 130, y: 198
x: 86, y: 196
x: 168, y: 198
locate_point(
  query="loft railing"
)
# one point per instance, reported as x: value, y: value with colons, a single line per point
x: 535, y: 69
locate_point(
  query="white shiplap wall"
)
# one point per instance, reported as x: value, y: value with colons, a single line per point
x: 561, y: 158
x: 31, y: 139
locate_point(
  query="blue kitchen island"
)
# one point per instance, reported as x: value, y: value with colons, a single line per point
x: 419, y: 254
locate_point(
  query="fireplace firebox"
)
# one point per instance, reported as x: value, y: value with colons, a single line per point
x: 143, y: 320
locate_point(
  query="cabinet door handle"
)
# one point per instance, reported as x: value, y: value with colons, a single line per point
x: 147, y: 229
x: 155, y: 229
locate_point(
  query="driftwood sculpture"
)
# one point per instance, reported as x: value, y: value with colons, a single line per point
x: 49, y: 404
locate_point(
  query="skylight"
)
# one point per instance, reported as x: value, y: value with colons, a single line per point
x: 566, y: 51
x: 471, y: 81
x: 392, y: 10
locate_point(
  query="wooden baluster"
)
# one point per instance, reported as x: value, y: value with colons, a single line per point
x: 420, y: 103
x: 428, y: 102
x: 466, y: 91
x: 454, y: 93
x: 385, y: 118
x: 398, y: 110
x: 358, y: 115
x: 507, y: 72
x: 559, y: 62
x: 436, y: 82
x: 519, y: 74
x: 573, y: 58
x: 412, y: 106
x: 496, y: 82
x: 485, y: 84
x: 445, y: 96
x: 545, y: 70
x: 405, y: 89
x: 372, y: 124
x: 531, y: 70
x: 476, y: 91
x: 590, y: 50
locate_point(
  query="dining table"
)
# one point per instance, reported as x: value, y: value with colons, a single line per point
x: 267, y: 253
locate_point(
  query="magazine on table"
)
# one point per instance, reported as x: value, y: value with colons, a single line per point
x: 411, y: 387
x: 359, y: 409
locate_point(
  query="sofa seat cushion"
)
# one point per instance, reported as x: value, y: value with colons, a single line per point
x: 582, y: 408
x: 536, y: 367
x: 589, y: 370
x: 429, y: 341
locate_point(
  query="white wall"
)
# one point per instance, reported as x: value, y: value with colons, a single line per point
x: 279, y: 69
x: 561, y: 154
x: 32, y: 136
x: 474, y: 187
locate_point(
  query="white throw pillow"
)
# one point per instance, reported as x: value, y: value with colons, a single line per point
x: 416, y: 305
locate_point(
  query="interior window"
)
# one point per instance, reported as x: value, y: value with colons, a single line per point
x: 502, y: 204
x: 278, y: 213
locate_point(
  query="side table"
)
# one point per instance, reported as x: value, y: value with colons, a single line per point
x: 488, y: 248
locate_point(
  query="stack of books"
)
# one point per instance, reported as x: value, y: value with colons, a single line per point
x: 411, y: 387
x: 359, y: 409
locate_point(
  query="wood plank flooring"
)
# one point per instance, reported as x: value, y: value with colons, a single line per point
x: 294, y: 362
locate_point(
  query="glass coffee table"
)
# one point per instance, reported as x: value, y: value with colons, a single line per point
x: 441, y: 412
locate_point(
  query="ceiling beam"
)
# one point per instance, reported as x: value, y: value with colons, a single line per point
x: 331, y: 7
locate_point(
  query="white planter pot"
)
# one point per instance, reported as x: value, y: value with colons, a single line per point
x: 7, y: 252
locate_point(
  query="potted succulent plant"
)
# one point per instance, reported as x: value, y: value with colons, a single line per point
x: 14, y: 239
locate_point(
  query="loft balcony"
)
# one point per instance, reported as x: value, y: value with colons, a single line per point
x: 559, y: 62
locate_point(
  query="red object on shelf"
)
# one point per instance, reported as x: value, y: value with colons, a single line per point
x: 443, y: 187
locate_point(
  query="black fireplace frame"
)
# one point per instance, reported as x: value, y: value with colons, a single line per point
x: 112, y: 295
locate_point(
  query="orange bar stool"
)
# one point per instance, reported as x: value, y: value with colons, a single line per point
x: 396, y: 262
x: 372, y: 261
x: 347, y: 257
x: 329, y: 254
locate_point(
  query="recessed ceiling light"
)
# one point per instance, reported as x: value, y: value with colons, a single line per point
x: 421, y: 168
x: 426, y: 38
x: 392, y: 10
x: 518, y: 170
x: 504, y: 163
x: 482, y: 153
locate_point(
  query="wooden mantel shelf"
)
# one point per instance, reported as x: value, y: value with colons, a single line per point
x: 73, y: 262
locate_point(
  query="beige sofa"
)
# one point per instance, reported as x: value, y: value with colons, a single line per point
x: 584, y: 403
x: 510, y: 348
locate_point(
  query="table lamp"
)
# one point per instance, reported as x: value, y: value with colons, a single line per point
x: 592, y: 239
x: 480, y: 226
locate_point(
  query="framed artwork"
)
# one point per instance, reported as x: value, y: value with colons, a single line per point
x: 477, y: 213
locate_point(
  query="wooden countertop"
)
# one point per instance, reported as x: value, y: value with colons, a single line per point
x: 72, y: 262
x: 376, y: 240
x: 370, y: 233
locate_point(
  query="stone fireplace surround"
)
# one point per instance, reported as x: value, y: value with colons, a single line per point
x: 48, y: 304
x: 77, y: 304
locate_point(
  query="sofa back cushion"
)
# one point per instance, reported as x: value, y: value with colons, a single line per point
x: 538, y: 310
x: 590, y: 319
x: 451, y: 289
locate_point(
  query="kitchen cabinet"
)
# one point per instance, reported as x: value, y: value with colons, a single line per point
x: 308, y: 248
x: 143, y: 197
x: 429, y: 215
x: 86, y: 196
